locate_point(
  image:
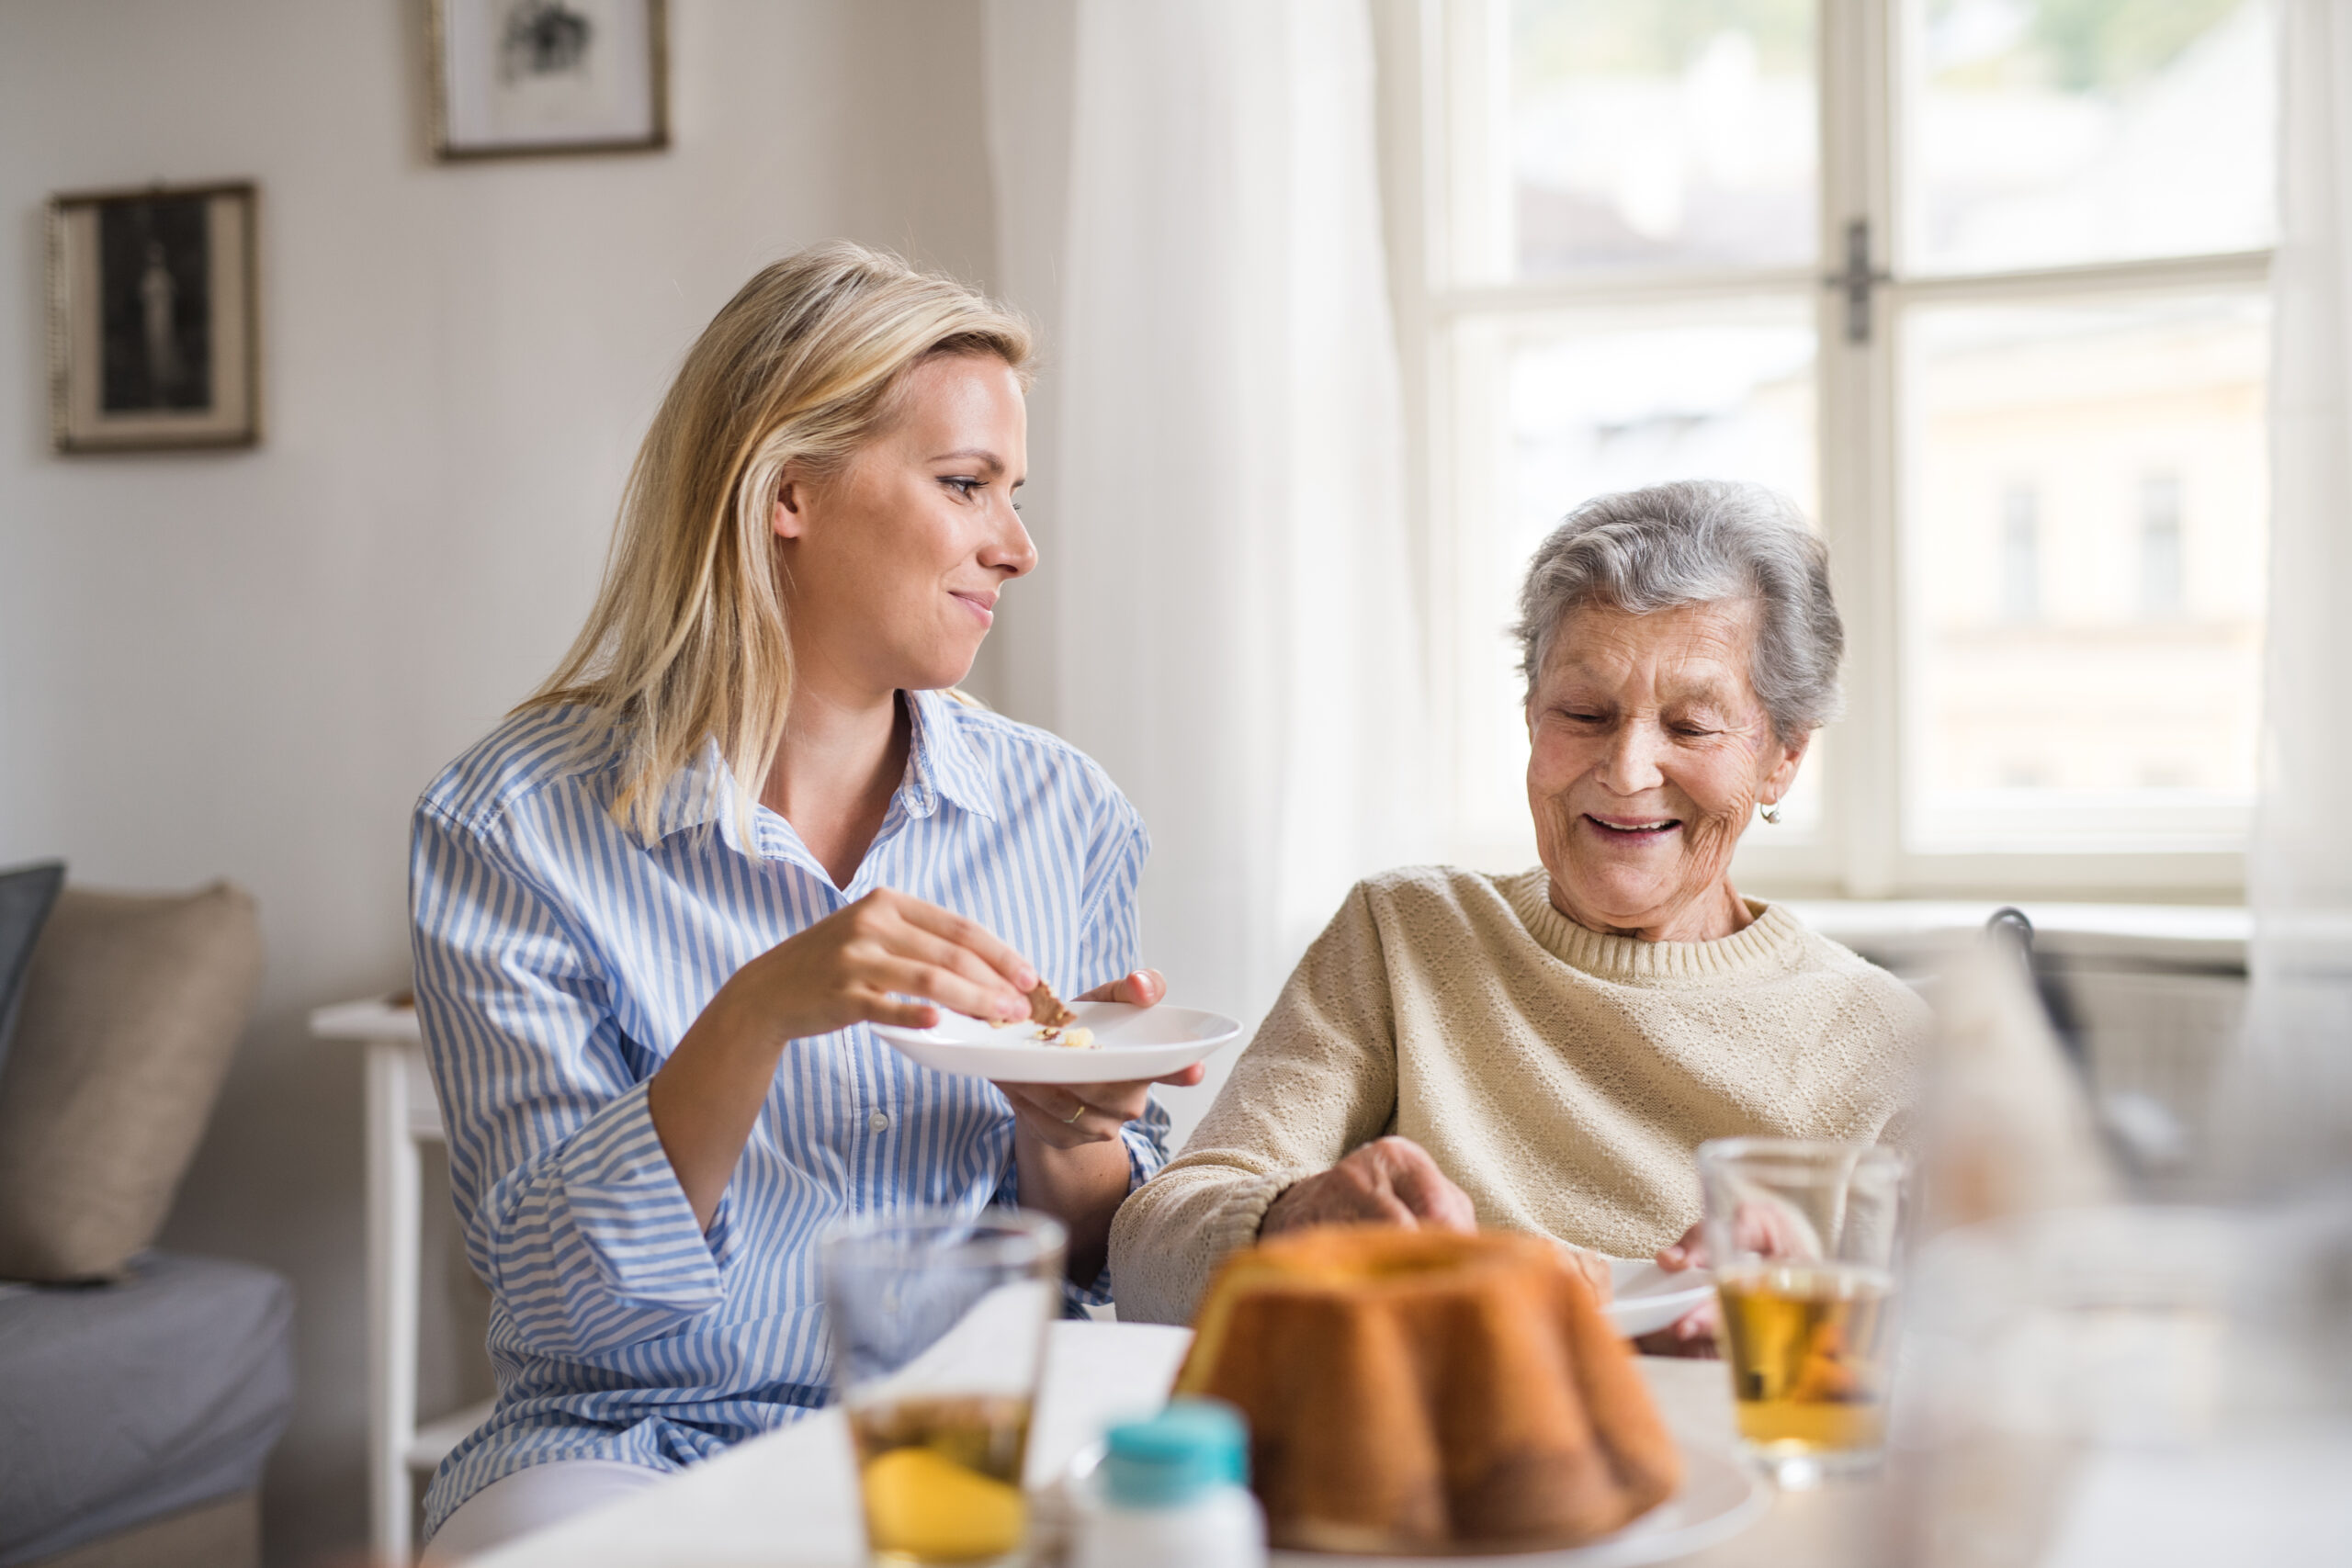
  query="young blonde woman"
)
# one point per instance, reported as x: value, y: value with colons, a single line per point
x: 656, y: 911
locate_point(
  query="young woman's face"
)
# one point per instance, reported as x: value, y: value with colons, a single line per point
x: 892, y: 566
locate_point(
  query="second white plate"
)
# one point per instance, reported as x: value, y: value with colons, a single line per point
x: 1648, y: 1298
x: 1130, y: 1042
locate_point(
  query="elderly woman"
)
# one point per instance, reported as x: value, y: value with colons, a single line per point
x: 1544, y: 1051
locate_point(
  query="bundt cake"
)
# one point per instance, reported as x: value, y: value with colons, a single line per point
x: 1421, y: 1390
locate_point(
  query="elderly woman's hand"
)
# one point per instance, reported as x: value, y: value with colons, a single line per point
x: 1692, y: 1334
x: 1765, y: 1229
x: 1391, y: 1180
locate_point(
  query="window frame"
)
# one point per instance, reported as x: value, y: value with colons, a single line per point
x: 1432, y: 55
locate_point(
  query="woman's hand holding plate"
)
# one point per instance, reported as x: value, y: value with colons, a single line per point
x: 1068, y: 1116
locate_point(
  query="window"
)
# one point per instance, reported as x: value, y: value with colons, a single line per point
x: 1979, y: 283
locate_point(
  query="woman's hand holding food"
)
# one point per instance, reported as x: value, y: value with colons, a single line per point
x: 858, y: 966
x: 847, y: 969
x: 1390, y: 1180
x: 854, y: 967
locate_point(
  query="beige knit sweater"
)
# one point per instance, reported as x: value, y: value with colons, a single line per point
x: 1562, y: 1078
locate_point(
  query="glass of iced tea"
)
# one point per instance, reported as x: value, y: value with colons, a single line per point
x: 939, y: 1331
x: 1803, y: 1238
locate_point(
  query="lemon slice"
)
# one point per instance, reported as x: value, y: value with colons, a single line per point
x: 931, y: 1508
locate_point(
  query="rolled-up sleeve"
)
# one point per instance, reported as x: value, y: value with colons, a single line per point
x: 573, y: 1214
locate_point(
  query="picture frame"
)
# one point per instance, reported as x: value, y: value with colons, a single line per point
x: 154, y: 318
x: 535, y: 78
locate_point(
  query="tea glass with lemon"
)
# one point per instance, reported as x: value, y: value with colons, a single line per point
x: 939, y: 1326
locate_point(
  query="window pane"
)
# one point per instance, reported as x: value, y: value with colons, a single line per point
x: 1558, y: 411
x: 2088, y: 493
x: 1667, y: 132
x: 2055, y: 132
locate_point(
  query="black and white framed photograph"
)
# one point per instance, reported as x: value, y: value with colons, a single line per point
x: 154, y: 320
x: 520, y: 77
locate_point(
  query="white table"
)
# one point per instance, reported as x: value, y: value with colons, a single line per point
x: 402, y: 1117
x: 788, y: 1499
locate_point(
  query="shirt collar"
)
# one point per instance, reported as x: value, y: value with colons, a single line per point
x: 941, y: 763
x: 703, y: 791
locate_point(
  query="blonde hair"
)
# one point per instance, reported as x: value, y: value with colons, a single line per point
x: 687, y: 642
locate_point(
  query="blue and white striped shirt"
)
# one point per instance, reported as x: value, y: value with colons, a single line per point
x: 559, y: 960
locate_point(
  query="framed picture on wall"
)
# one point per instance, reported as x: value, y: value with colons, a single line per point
x: 154, y: 323
x: 522, y: 77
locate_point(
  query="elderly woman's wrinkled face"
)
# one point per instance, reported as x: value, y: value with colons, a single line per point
x: 1651, y: 752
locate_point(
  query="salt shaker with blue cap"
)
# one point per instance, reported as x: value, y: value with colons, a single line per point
x: 1172, y: 1492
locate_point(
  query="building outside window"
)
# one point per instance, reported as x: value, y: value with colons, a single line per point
x: 2020, y: 554
x: 1979, y: 283
x: 2160, y: 585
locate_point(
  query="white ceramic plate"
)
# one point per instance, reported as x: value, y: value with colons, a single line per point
x: 1130, y: 1042
x: 1720, y: 1497
x: 1648, y: 1298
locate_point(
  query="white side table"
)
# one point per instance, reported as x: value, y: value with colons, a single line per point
x: 402, y: 1114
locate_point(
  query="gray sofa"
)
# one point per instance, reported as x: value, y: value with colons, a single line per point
x: 133, y: 1403
x: 141, y: 1391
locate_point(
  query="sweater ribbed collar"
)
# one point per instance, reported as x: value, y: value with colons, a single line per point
x: 1769, y: 945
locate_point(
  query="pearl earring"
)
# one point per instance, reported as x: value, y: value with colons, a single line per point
x: 1772, y: 812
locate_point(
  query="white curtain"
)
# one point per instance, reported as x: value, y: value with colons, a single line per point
x: 2297, y: 1097
x: 1187, y: 198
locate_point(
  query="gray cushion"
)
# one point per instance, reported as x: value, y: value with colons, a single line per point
x: 132, y: 1008
x: 25, y: 895
x: 121, y: 1402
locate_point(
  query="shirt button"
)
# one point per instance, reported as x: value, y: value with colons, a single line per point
x: 878, y: 1123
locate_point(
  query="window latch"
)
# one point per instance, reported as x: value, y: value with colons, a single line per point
x: 1856, y: 280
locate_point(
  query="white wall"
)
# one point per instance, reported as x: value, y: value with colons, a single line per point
x: 247, y: 664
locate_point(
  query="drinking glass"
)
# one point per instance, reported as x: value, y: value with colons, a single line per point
x: 1804, y: 1238
x: 939, y: 1326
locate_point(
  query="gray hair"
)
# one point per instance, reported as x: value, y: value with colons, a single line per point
x: 1699, y: 542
